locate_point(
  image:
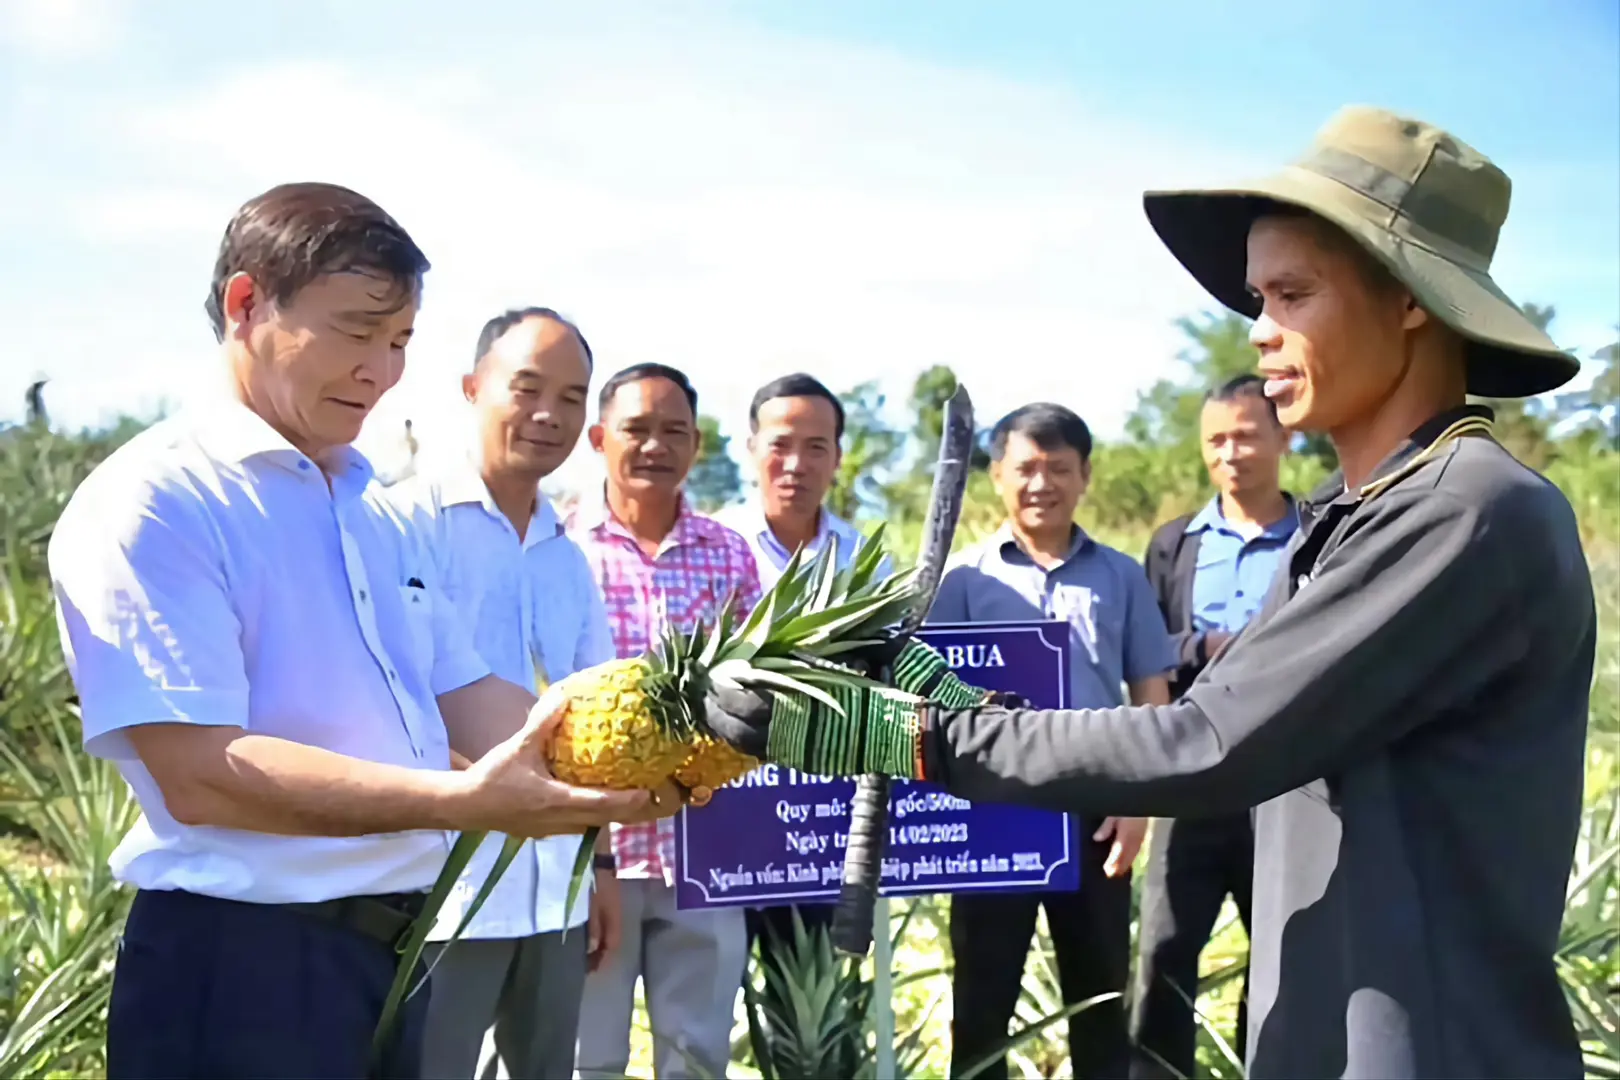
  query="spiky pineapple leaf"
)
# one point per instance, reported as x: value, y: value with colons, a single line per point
x: 868, y: 558
x: 576, y: 876
x: 760, y: 616
x: 842, y: 645
x: 749, y: 673
x: 722, y: 630
x: 827, y: 626
x: 461, y: 853
x: 821, y: 590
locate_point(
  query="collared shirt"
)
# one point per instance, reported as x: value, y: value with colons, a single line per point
x: 771, y: 556
x: 206, y: 575
x: 698, y: 566
x: 1235, y: 571
x: 1103, y: 594
x: 1409, y: 714
x: 533, y: 610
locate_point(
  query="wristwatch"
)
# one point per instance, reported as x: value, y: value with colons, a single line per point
x: 605, y: 862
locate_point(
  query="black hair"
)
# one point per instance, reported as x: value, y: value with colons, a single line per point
x: 639, y: 372
x: 1247, y: 384
x: 798, y: 384
x: 497, y: 327
x: 1047, y: 425
x: 292, y: 234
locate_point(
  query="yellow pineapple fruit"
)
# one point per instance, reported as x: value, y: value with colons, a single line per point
x: 610, y: 736
x: 713, y: 764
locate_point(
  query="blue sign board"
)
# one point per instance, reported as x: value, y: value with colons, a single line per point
x: 777, y: 836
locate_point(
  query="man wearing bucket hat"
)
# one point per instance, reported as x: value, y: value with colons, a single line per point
x: 1408, y: 711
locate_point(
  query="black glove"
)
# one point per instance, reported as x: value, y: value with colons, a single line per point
x: 880, y: 730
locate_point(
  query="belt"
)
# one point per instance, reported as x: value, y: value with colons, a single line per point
x: 386, y: 918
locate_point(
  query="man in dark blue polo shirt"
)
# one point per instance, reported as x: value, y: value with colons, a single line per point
x: 1210, y: 570
x: 1041, y: 565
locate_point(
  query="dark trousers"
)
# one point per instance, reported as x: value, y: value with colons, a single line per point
x: 1091, y: 937
x: 216, y: 989
x: 771, y: 925
x: 1193, y: 864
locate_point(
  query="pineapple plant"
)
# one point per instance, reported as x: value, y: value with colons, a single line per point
x: 634, y: 723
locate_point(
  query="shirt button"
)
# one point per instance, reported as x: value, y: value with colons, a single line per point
x: 391, y: 676
x: 304, y: 465
x: 362, y: 595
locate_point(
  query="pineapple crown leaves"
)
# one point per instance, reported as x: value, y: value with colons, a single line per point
x: 811, y: 614
x: 674, y: 684
x: 811, y: 609
x: 817, y: 587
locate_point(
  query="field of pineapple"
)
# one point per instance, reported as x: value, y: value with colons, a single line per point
x: 61, y: 813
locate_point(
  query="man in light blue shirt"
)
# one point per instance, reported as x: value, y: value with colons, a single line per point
x: 795, y: 431
x: 270, y: 660
x: 1210, y: 571
x: 1040, y: 565
x: 526, y: 594
x: 795, y: 428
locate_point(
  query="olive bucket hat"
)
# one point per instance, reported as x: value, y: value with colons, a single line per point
x: 1427, y: 205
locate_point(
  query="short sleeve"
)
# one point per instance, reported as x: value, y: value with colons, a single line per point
x: 951, y: 601
x: 456, y: 661
x: 149, y: 628
x: 1148, y: 648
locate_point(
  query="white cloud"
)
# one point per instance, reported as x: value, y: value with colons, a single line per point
x: 734, y: 204
x: 60, y: 28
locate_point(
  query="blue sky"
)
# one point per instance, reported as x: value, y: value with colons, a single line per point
x: 856, y: 188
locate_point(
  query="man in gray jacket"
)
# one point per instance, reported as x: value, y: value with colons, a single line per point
x: 1408, y: 711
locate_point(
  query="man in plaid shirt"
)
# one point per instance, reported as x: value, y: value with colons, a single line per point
x: 658, y: 563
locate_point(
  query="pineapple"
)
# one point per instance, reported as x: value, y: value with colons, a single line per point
x: 636, y: 723
x: 713, y: 764
x: 612, y: 737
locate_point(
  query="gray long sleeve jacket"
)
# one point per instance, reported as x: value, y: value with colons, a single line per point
x: 1409, y: 714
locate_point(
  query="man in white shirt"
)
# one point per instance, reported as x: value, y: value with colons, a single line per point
x: 796, y: 426
x: 525, y: 591
x: 271, y: 662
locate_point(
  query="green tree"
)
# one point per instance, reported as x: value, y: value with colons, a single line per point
x: 928, y: 396
x: 1166, y: 413
x: 1597, y: 408
x: 715, y: 479
x: 871, y: 450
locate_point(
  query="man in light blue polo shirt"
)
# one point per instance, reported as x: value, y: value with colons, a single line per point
x: 526, y: 594
x: 1210, y: 571
x: 1041, y: 565
x: 795, y: 432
